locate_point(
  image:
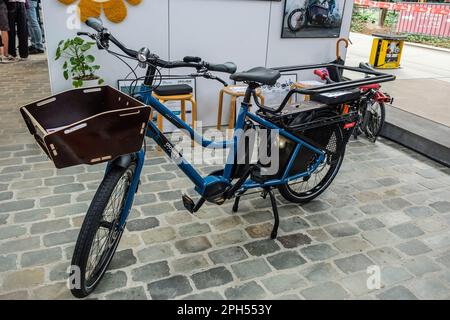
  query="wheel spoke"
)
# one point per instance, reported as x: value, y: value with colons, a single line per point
x: 319, y: 177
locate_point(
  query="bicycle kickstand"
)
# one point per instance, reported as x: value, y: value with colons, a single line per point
x: 236, y: 204
x: 276, y: 217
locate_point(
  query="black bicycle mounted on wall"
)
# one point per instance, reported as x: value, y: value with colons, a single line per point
x: 314, y: 13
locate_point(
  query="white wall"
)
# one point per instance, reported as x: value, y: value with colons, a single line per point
x: 246, y: 32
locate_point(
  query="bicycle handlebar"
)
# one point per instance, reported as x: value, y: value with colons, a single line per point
x: 104, y: 36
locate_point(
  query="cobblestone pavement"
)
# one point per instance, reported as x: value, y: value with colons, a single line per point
x: 388, y: 207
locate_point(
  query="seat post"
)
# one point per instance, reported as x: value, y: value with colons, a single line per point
x: 249, y: 92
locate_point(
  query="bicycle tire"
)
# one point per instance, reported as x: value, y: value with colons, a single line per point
x: 92, y: 224
x: 298, y: 26
x: 373, y: 133
x: 291, y: 195
x: 358, y: 130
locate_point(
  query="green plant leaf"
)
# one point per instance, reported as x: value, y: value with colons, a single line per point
x: 90, y: 58
x: 58, y: 53
x: 66, y: 74
x: 85, y: 47
x: 95, y: 67
x: 78, y: 41
x: 73, y: 61
x: 65, y: 65
x: 66, y: 45
x: 61, y: 42
x: 101, y: 81
x: 77, y: 83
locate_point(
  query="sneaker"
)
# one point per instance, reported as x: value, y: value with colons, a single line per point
x: 33, y: 50
x: 5, y: 60
x: 11, y: 58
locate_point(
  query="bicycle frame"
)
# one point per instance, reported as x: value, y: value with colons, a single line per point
x: 200, y: 182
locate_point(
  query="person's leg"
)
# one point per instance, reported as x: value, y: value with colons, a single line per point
x: 41, y: 23
x: 22, y: 30
x: 4, y: 28
x: 5, y: 40
x: 12, y: 12
x: 34, y: 27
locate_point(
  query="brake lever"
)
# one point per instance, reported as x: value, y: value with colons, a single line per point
x: 101, y: 40
x: 209, y: 75
x: 86, y: 34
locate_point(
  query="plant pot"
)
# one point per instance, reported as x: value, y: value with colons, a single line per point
x: 90, y: 83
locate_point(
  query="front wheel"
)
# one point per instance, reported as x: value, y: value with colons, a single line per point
x: 296, y: 20
x: 307, y: 188
x: 100, y: 233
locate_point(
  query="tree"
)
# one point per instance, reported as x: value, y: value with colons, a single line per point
x: 383, y: 14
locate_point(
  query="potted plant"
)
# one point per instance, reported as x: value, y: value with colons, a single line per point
x: 79, y: 64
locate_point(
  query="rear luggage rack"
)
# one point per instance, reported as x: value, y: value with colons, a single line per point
x: 342, y: 84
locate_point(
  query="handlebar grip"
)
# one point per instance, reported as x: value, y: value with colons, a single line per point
x: 82, y: 34
x: 322, y: 74
x: 95, y: 24
x: 192, y: 59
x: 227, y: 67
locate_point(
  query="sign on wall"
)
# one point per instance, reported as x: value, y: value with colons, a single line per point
x: 312, y: 18
x: 274, y: 95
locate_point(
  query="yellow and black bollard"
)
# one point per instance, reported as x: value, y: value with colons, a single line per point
x: 386, y: 51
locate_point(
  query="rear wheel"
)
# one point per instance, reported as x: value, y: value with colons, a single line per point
x: 296, y: 20
x: 305, y: 189
x: 373, y: 119
x: 358, y: 130
x: 100, y: 233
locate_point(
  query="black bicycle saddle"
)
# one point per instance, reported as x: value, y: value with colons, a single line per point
x: 259, y: 75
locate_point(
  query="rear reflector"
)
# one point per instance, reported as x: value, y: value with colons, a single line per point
x: 349, y: 125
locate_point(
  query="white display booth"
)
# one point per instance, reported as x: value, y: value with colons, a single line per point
x: 247, y: 32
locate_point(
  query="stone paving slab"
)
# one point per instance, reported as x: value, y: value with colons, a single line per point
x: 388, y: 208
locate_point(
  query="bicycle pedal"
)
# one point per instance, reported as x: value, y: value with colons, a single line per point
x: 188, y: 203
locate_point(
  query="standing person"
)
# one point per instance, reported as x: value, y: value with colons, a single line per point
x: 17, y: 15
x: 34, y: 28
x: 4, y: 28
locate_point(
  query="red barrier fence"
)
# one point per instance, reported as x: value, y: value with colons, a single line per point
x: 419, y: 18
x: 428, y: 23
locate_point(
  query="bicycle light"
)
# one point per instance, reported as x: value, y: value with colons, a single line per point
x: 143, y: 56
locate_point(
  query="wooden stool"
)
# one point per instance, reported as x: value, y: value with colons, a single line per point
x: 178, y: 92
x: 234, y: 91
